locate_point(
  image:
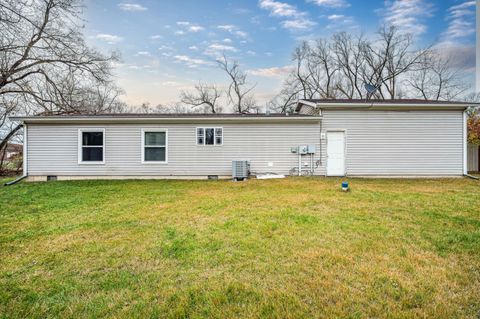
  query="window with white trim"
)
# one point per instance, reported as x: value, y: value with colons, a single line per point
x: 91, y: 146
x: 209, y: 136
x: 154, y: 146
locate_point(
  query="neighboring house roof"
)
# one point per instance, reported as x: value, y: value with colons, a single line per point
x: 384, y: 104
x: 165, y: 117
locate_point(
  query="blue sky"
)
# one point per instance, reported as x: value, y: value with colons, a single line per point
x: 168, y: 46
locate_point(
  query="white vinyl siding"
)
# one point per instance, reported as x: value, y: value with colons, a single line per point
x: 52, y: 149
x: 403, y: 143
x: 388, y: 143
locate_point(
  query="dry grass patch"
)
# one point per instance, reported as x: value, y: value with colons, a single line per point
x: 293, y: 248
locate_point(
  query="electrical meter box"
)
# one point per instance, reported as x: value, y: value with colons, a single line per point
x: 303, y: 149
x: 311, y: 149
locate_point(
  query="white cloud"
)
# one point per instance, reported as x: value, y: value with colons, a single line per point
x: 227, y: 40
x: 296, y: 20
x: 341, y: 22
x: 407, y: 15
x: 227, y: 27
x: 170, y: 83
x: 241, y: 34
x: 271, y: 72
x: 187, y: 26
x: 193, y: 48
x: 279, y: 9
x: 156, y: 37
x: 335, y: 17
x: 233, y: 30
x: 216, y: 50
x: 222, y: 47
x: 461, y: 22
x: 195, y: 28
x: 134, y: 7
x: 252, y: 53
x: 299, y: 24
x: 143, y: 53
x: 331, y: 3
x: 190, y: 62
x: 165, y: 48
x: 109, y: 38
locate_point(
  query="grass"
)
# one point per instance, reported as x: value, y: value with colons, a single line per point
x: 292, y: 248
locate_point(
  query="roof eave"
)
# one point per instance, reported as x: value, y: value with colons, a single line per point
x: 386, y: 106
x: 113, y: 119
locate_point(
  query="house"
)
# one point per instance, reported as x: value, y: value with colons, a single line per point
x: 323, y: 137
x: 11, y: 151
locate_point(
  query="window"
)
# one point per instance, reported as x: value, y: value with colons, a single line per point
x: 154, y: 146
x: 209, y: 136
x: 91, y: 146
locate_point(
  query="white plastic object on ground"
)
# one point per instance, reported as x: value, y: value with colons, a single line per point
x: 269, y: 176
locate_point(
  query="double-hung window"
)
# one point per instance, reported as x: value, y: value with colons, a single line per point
x: 209, y: 136
x: 154, y: 146
x: 91, y: 148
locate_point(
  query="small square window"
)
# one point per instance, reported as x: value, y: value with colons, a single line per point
x: 209, y: 136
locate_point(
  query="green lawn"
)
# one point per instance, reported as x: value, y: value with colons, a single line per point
x: 292, y: 248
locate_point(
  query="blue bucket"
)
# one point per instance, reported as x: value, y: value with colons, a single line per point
x: 345, y: 186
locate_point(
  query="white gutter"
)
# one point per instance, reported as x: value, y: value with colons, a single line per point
x: 391, y: 104
x: 63, y: 119
x: 386, y: 104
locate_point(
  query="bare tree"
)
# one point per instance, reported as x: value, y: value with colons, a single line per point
x: 42, y: 46
x: 388, y: 59
x: 163, y: 108
x: 286, y: 100
x: 239, y: 91
x: 436, y: 79
x: 347, y: 53
x: 203, y: 95
x: 299, y: 77
x: 341, y: 66
x: 322, y: 68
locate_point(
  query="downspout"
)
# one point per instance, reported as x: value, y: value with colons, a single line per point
x: 465, y: 145
x: 25, y: 161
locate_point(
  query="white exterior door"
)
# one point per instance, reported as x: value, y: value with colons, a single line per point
x: 335, y: 153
